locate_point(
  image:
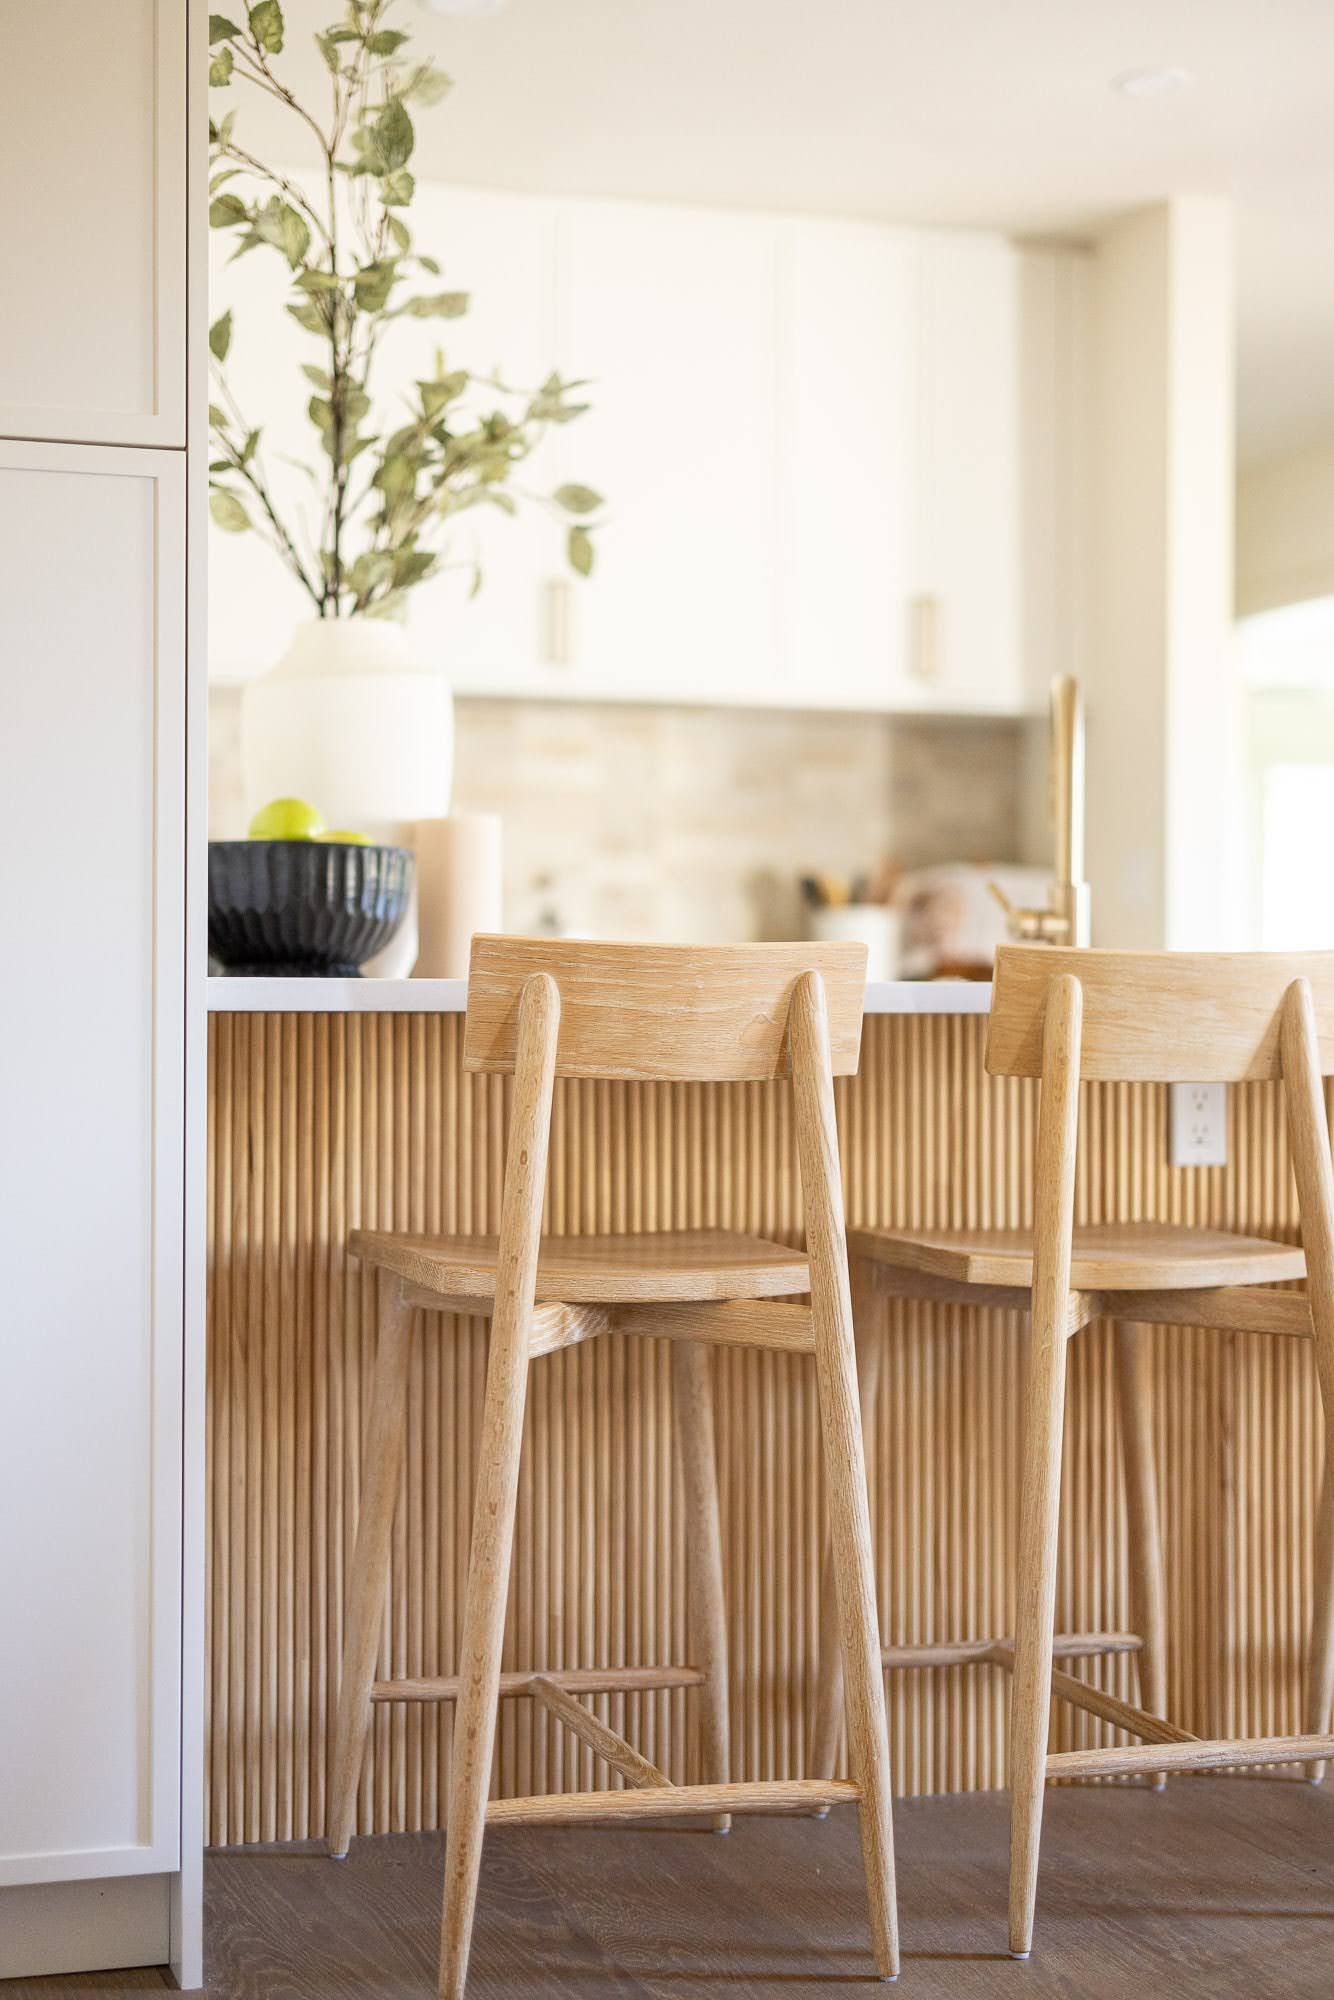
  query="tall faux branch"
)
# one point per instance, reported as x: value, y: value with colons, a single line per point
x: 387, y: 496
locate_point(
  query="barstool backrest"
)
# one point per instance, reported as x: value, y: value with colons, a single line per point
x: 669, y: 1013
x: 1159, y: 1016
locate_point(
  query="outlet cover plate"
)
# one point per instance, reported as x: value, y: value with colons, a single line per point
x: 1197, y: 1117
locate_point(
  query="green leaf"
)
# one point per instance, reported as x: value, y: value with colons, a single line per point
x: 220, y: 69
x: 220, y: 29
x: 435, y: 395
x: 220, y: 336
x: 279, y: 223
x: 266, y: 25
x: 374, y: 282
x: 249, y: 448
x: 328, y: 48
x: 580, y: 551
x: 396, y: 479
x: 437, y: 305
x: 319, y: 376
x: 396, y: 189
x: 393, y: 135
x: 426, y: 85
x: 430, y: 264
x: 218, y: 417
x: 385, y: 41
x: 228, y: 511
x: 398, y: 229
x: 308, y: 315
x: 577, y: 499
x: 317, y: 281
x: 412, y: 566
x: 226, y: 210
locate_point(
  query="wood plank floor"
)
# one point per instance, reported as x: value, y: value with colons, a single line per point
x: 1218, y: 1887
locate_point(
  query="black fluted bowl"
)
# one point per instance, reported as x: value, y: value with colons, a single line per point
x: 303, y: 909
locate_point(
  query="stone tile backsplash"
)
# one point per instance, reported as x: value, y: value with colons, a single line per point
x: 663, y: 822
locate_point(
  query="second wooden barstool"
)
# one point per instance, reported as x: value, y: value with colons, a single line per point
x: 541, y: 1010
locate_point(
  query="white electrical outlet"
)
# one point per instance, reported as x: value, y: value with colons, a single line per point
x: 1198, y: 1128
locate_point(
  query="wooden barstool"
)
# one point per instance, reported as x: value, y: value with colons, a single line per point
x: 540, y: 1010
x: 1164, y: 1017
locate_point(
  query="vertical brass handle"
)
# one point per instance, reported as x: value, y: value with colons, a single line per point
x: 558, y: 622
x: 924, y: 651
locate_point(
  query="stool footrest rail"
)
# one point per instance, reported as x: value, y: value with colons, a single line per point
x: 782, y: 1795
x: 571, y: 1680
x: 1134, y: 1759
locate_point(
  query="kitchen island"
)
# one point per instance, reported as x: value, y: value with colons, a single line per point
x: 338, y: 1104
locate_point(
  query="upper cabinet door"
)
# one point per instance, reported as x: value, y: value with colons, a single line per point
x: 848, y: 442
x: 483, y: 616
x: 672, y: 314
x: 92, y: 151
x: 965, y: 647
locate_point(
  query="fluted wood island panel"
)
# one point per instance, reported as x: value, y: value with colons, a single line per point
x: 320, y: 1122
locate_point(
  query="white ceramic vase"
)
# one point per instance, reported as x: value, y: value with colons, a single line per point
x: 353, y: 721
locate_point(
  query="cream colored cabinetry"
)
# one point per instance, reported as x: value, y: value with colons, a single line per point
x: 98, y: 1389
x: 92, y: 138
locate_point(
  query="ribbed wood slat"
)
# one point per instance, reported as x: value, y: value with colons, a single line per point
x: 323, y: 1123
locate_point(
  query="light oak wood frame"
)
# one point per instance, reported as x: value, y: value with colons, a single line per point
x: 1060, y: 1016
x: 545, y: 1010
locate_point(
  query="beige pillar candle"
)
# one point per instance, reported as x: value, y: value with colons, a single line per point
x: 458, y: 889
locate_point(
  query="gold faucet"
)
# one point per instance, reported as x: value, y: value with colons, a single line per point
x: 1066, y: 917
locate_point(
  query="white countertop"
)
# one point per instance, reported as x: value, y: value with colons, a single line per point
x: 450, y: 996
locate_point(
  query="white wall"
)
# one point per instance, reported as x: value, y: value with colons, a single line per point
x: 1162, y: 695
x: 1285, y: 530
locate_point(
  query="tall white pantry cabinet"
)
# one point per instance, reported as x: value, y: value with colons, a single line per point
x: 103, y: 146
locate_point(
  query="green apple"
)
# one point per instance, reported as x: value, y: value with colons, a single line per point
x: 343, y: 838
x: 286, y: 819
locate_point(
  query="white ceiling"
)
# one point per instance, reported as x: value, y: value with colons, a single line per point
x: 991, y: 112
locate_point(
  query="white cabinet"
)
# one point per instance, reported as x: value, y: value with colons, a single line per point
x: 847, y: 428
x: 672, y: 314
x: 501, y: 250
x: 92, y: 585
x: 965, y: 643
x: 840, y: 460
x: 92, y: 153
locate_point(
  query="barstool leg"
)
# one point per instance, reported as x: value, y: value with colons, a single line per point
x: 1035, y: 1620
x: 692, y: 1387
x: 382, y: 1460
x: 479, y: 1662
x: 1320, y: 1680
x: 829, y: 1694
x: 1148, y: 1594
x: 498, y: 1475
x: 1039, y: 1506
x: 844, y: 1459
x: 1308, y: 1133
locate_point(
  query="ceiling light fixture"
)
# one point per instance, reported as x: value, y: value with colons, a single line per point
x: 1152, y: 82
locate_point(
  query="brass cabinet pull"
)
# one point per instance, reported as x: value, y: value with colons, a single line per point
x: 924, y: 650
x: 558, y: 622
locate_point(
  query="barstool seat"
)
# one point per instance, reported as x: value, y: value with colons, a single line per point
x: 656, y: 1265
x: 1119, y: 1256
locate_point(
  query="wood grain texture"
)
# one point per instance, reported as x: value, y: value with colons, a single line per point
x: 673, y: 1012
x: 1214, y: 1890
x: 1161, y: 1016
x: 323, y: 1123
x: 1131, y: 1256
x: 665, y: 1265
